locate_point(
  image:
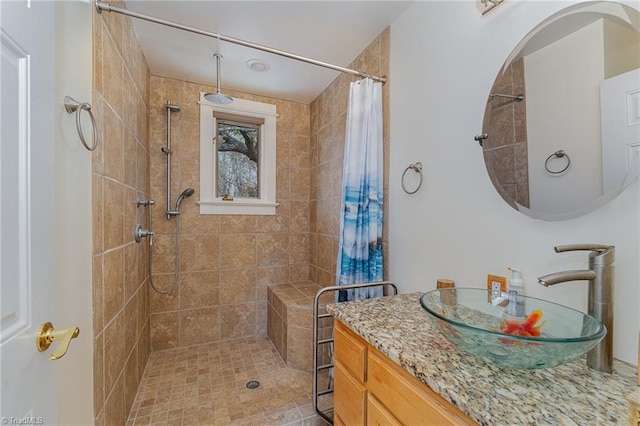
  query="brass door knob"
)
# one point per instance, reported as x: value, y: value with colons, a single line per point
x: 47, y: 334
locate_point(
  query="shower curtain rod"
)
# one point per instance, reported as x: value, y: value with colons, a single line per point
x: 100, y: 6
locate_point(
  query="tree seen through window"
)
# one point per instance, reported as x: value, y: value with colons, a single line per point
x: 237, y: 154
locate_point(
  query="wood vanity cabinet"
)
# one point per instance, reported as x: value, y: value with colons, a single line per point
x: 370, y: 389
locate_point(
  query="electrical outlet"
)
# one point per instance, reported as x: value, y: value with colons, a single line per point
x: 495, y: 286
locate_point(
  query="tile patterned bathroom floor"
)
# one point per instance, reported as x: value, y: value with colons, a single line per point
x: 205, y: 385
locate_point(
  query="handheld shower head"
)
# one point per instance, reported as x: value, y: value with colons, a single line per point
x: 184, y: 194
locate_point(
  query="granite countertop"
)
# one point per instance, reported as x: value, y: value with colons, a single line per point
x: 570, y: 394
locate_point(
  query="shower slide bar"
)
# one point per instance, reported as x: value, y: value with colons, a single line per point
x: 317, y: 316
x: 100, y: 6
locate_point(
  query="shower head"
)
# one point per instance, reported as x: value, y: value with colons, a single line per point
x: 184, y: 194
x: 218, y: 97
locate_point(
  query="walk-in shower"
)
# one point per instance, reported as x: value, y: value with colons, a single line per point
x: 171, y: 213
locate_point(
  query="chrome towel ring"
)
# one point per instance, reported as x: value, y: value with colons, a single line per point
x: 416, y: 167
x: 558, y: 154
x: 71, y: 105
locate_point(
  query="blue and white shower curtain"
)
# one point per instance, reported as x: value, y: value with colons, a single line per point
x: 360, y: 250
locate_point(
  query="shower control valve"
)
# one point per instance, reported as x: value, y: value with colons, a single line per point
x: 141, y: 233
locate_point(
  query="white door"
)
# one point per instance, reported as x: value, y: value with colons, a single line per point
x: 38, y: 160
x: 26, y: 209
x: 620, y: 101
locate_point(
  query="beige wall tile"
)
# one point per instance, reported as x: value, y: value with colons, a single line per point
x: 299, y: 216
x: 283, y: 109
x: 299, y: 271
x: 261, y: 318
x: 188, y: 139
x: 130, y: 269
x: 142, y: 122
x: 113, y: 214
x: 164, y: 254
x: 144, y: 348
x: 189, y: 98
x: 270, y: 275
x: 113, y: 283
x: 164, y: 330
x: 298, y: 248
x: 199, y: 252
x: 97, y: 156
x: 283, y: 146
x: 131, y: 379
x: 120, y: 177
x: 199, y: 289
x: 97, y: 54
x: 237, y: 320
x: 130, y: 330
x: 129, y: 98
x: 300, y: 348
x: 200, y: 326
x: 98, y: 298
x: 98, y: 373
x: 130, y: 157
x: 115, y: 410
x: 300, y: 151
x: 238, y: 224
x: 113, y: 145
x: 273, y: 249
x: 114, y: 351
x: 168, y: 301
x: 237, y: 285
x: 142, y: 300
x: 237, y: 250
x: 300, y: 116
x: 112, y: 71
x: 299, y: 184
x: 277, y: 222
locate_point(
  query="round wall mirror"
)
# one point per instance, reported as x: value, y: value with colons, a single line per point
x: 562, y: 120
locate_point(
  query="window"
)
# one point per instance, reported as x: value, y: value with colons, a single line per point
x: 237, y: 158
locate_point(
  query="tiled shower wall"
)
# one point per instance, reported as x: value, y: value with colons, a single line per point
x: 120, y: 289
x: 328, y: 122
x: 226, y: 261
x: 505, y: 151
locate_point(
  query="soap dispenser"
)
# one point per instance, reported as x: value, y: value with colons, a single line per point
x: 515, y: 289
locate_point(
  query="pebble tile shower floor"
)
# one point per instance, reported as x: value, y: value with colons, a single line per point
x: 205, y: 385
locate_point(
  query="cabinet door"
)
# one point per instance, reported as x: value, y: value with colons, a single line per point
x: 350, y: 350
x: 409, y: 400
x: 349, y: 397
x: 377, y: 415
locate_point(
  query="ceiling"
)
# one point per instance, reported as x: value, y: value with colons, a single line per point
x: 334, y: 32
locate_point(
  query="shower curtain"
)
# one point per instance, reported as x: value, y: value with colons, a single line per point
x: 360, y: 250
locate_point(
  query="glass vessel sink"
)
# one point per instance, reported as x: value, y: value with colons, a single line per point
x: 540, y: 335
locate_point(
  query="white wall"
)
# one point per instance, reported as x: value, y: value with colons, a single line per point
x: 444, y: 58
x: 563, y: 112
x: 73, y: 213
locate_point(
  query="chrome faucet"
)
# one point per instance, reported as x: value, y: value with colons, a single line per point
x: 600, y: 277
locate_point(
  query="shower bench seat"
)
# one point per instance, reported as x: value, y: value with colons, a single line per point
x: 290, y: 321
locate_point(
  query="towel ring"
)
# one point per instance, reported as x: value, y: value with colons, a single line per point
x: 416, y: 167
x: 558, y: 154
x: 71, y: 105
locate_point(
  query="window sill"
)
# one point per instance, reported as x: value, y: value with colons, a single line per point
x: 238, y: 207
